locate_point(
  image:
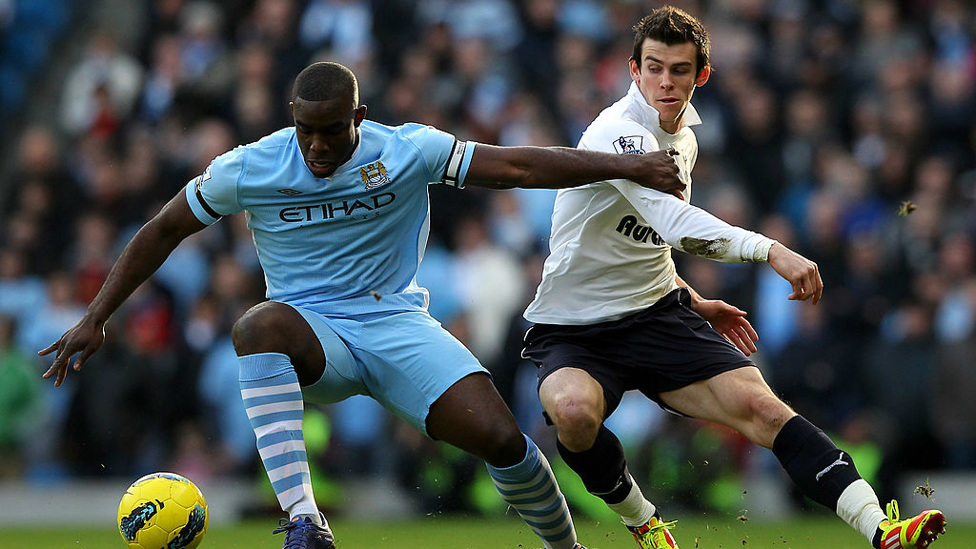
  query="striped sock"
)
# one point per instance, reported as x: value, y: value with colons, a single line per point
x: 273, y: 401
x: 530, y: 488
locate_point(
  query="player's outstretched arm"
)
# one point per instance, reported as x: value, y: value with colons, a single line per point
x: 563, y: 167
x: 801, y: 273
x: 697, y: 232
x: 141, y: 258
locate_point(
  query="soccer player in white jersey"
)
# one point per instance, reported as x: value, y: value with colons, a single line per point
x: 611, y: 314
x: 338, y: 209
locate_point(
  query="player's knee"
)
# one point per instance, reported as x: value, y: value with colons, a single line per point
x: 262, y: 329
x: 768, y: 415
x: 577, y: 423
x: 504, y: 446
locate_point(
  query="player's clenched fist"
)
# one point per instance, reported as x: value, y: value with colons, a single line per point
x: 662, y: 172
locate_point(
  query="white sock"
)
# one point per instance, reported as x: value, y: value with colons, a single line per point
x: 858, y: 505
x: 317, y: 518
x: 634, y: 509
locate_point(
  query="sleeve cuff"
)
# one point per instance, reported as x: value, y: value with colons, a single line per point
x: 761, y: 251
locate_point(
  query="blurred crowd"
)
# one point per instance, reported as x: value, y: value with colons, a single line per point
x: 843, y: 128
x: 29, y: 32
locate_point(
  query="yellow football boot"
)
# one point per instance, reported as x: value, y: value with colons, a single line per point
x: 654, y: 534
x: 912, y: 533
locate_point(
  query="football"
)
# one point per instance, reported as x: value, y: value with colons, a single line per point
x: 163, y: 511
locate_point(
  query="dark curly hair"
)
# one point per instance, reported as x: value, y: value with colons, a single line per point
x: 671, y: 26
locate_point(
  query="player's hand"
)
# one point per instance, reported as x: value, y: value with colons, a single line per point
x: 661, y: 173
x: 801, y: 273
x: 730, y: 322
x: 83, y: 339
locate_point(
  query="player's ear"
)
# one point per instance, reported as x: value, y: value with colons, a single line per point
x: 703, y: 75
x: 634, y: 70
x: 360, y: 114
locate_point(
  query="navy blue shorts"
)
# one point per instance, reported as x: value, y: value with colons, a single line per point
x: 662, y: 348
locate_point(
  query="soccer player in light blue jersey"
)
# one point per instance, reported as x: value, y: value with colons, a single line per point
x: 339, y: 211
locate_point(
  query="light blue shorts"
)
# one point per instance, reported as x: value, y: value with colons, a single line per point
x: 404, y: 360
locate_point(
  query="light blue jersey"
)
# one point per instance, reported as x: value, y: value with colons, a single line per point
x: 348, y: 244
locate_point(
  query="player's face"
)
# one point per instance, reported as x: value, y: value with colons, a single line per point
x: 327, y: 132
x: 666, y: 78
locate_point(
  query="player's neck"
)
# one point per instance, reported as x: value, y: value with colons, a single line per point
x: 671, y: 127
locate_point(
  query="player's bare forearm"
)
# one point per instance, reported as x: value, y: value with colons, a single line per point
x: 564, y: 167
x: 144, y: 254
x: 141, y: 258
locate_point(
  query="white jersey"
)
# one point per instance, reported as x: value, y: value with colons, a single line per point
x: 610, y: 246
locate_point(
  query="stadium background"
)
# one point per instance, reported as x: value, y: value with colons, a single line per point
x: 846, y: 129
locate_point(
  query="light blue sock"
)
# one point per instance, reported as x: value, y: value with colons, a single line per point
x: 530, y: 488
x: 273, y: 401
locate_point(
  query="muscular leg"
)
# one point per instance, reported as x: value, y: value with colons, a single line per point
x: 575, y: 403
x: 472, y: 416
x: 279, y: 352
x: 272, y: 327
x: 742, y: 400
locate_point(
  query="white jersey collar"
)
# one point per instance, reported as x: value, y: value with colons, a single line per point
x: 691, y: 117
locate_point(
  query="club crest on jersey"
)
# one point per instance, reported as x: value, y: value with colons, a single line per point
x: 374, y: 175
x: 629, y: 144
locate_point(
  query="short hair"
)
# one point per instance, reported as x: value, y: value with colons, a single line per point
x: 671, y: 26
x: 323, y: 81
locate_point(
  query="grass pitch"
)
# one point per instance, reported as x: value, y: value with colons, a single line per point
x: 444, y: 532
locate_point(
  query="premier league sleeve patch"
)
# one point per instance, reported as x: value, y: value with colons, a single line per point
x: 207, y: 174
x: 198, y: 193
x: 629, y: 144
